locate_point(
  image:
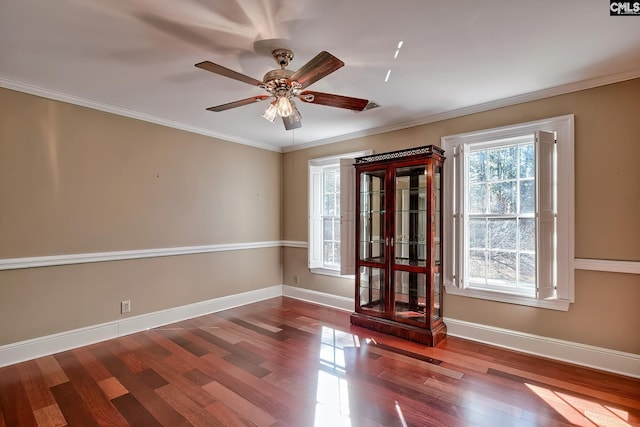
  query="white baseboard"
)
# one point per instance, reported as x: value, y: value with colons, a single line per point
x: 50, y: 344
x: 322, y: 298
x: 566, y: 351
x: 579, y: 354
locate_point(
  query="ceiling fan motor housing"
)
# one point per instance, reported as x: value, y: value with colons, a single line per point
x: 282, y: 57
x: 277, y: 82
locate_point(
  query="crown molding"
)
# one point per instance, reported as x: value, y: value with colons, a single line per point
x: 478, y: 108
x: 89, y: 103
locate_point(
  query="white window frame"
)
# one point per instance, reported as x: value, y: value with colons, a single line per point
x: 555, y: 275
x: 347, y: 212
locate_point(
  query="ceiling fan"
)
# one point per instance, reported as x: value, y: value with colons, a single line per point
x: 282, y: 85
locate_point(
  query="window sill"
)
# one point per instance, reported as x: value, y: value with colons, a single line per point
x: 328, y: 272
x: 552, y: 304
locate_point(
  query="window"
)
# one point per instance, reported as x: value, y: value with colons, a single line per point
x: 509, y: 214
x: 331, y: 217
x: 331, y: 214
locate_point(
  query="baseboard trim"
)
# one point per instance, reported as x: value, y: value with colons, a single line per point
x: 321, y: 298
x: 55, y: 343
x: 617, y: 362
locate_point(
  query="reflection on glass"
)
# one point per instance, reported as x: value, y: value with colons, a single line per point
x: 410, y: 293
x: 411, y: 216
x: 372, y: 216
x: 437, y: 214
x: 372, y: 288
x: 437, y: 292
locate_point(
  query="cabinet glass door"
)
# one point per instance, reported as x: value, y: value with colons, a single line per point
x: 371, y: 240
x: 437, y: 236
x: 410, y: 246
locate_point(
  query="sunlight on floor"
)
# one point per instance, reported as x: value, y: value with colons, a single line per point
x: 400, y: 414
x: 332, y: 395
x: 581, y: 412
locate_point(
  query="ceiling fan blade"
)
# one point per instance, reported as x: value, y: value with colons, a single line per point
x: 239, y: 103
x: 320, y: 66
x: 223, y: 71
x: 356, y: 104
x: 291, y: 122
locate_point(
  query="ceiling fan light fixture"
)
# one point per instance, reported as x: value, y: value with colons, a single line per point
x: 270, y: 112
x: 295, y: 113
x: 284, y: 107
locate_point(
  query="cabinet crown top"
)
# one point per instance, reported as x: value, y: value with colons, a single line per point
x: 408, y: 152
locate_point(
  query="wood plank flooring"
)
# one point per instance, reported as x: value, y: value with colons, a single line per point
x: 284, y: 362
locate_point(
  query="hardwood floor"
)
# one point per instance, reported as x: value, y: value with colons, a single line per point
x: 284, y: 362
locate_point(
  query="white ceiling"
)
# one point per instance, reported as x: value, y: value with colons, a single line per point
x: 137, y: 58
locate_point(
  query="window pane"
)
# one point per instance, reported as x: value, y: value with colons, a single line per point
x: 502, y: 234
x: 527, y: 163
x: 527, y: 196
x: 477, y: 197
x: 329, y: 204
x: 477, y: 265
x: 331, y: 253
x: 502, y: 197
x: 527, y: 234
x: 527, y: 271
x: 503, y: 163
x: 502, y: 267
x: 478, y: 233
x: 477, y: 166
x: 329, y: 180
x: 327, y: 225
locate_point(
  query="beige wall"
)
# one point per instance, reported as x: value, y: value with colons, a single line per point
x: 75, y: 180
x: 607, y: 219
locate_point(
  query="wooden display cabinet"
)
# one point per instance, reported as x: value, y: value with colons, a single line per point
x: 399, y: 251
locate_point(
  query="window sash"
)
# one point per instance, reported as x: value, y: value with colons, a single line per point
x: 497, y: 266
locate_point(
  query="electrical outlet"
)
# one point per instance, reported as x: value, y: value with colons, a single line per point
x: 125, y: 306
x: 296, y: 280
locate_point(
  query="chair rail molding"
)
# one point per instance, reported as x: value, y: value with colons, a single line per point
x: 46, y: 261
x: 612, y: 266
